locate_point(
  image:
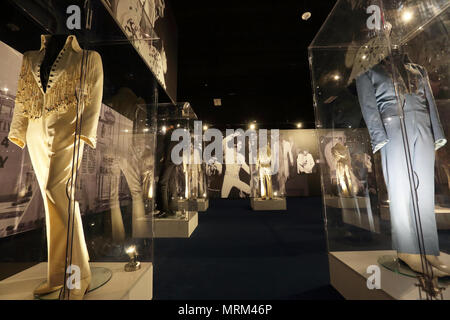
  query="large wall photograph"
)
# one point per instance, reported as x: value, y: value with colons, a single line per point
x: 151, y: 27
x: 298, y: 173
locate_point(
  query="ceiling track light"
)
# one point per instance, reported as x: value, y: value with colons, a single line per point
x: 306, y: 15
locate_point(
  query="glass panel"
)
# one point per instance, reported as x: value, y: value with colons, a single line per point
x: 89, y: 124
x: 380, y: 84
x: 177, y: 180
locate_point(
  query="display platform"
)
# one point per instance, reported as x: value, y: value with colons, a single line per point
x: 356, y: 211
x: 393, y: 263
x: 196, y: 205
x: 275, y: 204
x: 364, y: 219
x: 100, y: 276
x: 123, y: 285
x: 442, y: 216
x: 202, y: 205
x: 348, y: 275
x: 347, y: 203
x: 176, y: 227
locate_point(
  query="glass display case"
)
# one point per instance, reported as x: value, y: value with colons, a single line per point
x: 78, y: 130
x: 197, y: 186
x: 179, y: 176
x: 380, y: 78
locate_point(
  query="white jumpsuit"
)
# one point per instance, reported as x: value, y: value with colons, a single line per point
x: 46, y: 122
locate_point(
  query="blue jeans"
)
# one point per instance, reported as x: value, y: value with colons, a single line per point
x: 421, y: 148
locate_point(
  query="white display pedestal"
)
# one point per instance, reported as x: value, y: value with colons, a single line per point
x: 275, y: 204
x: 176, y: 227
x: 348, y: 275
x: 197, y: 205
x: 356, y: 211
x: 346, y: 203
x: 202, y: 205
x: 123, y: 285
x: 442, y: 218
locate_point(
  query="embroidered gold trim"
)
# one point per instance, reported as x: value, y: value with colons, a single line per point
x: 59, y: 98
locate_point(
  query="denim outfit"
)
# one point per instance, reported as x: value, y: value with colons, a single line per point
x: 380, y: 108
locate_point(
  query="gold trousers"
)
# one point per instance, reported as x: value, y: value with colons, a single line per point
x: 51, y: 146
x: 266, y: 185
x: 345, y: 181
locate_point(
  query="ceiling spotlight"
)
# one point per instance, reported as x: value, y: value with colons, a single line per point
x: 205, y: 127
x: 217, y: 102
x: 306, y: 15
x: 337, y: 77
x: 407, y: 16
x: 299, y: 125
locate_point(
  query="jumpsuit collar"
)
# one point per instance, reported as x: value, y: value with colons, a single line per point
x: 71, y: 41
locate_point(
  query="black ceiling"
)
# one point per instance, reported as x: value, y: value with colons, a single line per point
x: 250, y: 53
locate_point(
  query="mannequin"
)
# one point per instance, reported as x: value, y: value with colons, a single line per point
x: 188, y: 188
x: 346, y: 180
x: 424, y: 135
x: 287, y: 158
x: 167, y: 179
x: 197, y: 174
x: 129, y: 160
x: 45, y: 117
x: 265, y: 173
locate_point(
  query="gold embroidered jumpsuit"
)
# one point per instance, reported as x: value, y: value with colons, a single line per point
x: 344, y: 174
x: 265, y: 174
x: 46, y: 122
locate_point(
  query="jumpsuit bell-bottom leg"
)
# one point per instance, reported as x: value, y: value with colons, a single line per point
x: 128, y: 163
x: 167, y: 186
x: 51, y: 147
x: 132, y: 171
x: 421, y: 148
x: 117, y: 226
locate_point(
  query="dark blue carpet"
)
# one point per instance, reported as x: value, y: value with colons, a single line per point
x: 237, y: 253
